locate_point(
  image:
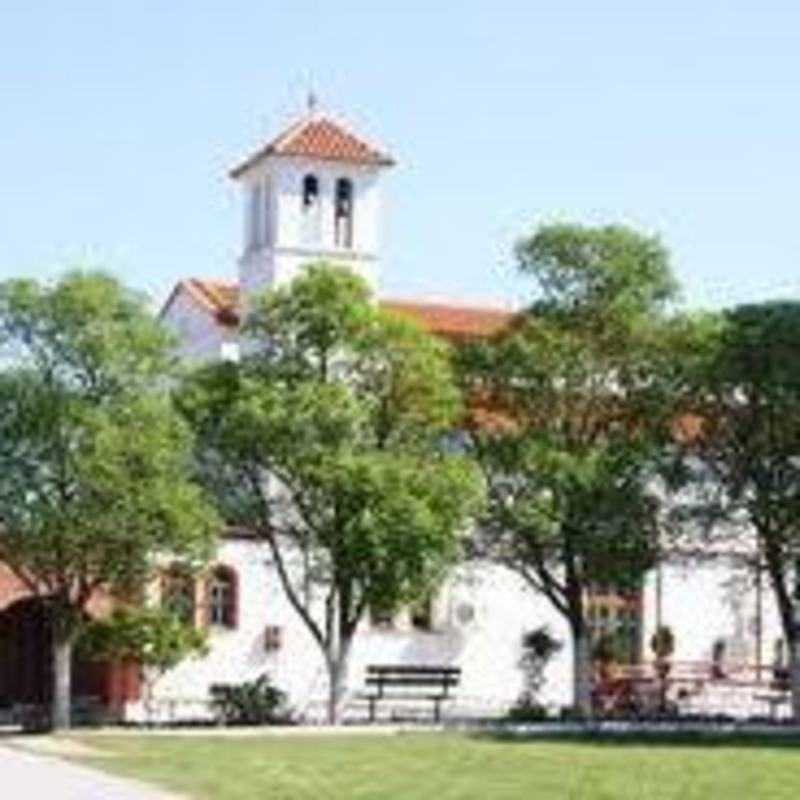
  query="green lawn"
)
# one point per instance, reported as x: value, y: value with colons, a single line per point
x: 446, y: 767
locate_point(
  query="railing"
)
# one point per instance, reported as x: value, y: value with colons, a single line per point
x: 693, y: 688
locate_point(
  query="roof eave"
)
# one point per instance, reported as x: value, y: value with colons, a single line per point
x: 245, y: 166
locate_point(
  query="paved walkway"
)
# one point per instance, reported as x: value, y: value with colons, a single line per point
x: 35, y: 777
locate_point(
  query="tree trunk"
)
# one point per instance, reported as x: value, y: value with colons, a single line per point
x: 337, y: 678
x: 582, y: 672
x: 794, y: 675
x: 788, y: 614
x: 62, y: 679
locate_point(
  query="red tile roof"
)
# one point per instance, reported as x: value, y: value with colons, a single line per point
x: 221, y: 298
x: 451, y: 322
x: 317, y: 137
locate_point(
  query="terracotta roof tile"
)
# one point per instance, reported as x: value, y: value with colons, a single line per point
x: 221, y: 298
x: 455, y: 323
x: 452, y: 322
x: 317, y: 137
x: 218, y: 297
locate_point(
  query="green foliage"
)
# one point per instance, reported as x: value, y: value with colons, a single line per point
x: 327, y: 441
x: 527, y: 710
x: 149, y: 637
x: 94, y: 460
x: 394, y: 383
x: 745, y: 388
x: 306, y: 321
x: 584, y: 413
x: 662, y: 642
x: 582, y: 399
x: 743, y: 468
x: 255, y: 702
x: 586, y: 272
x: 73, y: 331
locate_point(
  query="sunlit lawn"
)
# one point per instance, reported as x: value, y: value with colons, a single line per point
x: 442, y: 766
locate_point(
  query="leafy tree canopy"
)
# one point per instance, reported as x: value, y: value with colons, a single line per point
x: 328, y: 440
x: 743, y: 464
x: 149, y: 637
x: 571, y: 412
x: 94, y: 460
x: 609, y: 272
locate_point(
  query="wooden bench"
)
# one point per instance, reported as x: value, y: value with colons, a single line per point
x: 406, y: 682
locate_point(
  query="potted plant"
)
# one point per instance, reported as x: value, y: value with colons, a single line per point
x: 662, y: 643
x: 538, y: 648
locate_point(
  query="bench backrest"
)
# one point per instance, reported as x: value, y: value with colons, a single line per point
x: 412, y: 675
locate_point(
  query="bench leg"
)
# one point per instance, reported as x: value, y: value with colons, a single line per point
x: 372, y: 709
x: 437, y: 710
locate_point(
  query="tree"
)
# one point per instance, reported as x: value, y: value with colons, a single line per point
x: 568, y: 422
x: 742, y: 385
x: 154, y: 639
x: 327, y: 442
x: 94, y: 460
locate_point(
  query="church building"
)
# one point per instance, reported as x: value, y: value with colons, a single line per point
x: 313, y: 193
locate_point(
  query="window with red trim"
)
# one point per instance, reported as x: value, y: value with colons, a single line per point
x: 614, y: 617
x: 223, y: 597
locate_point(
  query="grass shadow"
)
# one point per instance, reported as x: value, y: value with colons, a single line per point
x: 691, y: 738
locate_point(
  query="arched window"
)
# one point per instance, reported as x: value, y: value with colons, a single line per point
x: 223, y: 597
x: 343, y: 213
x: 178, y: 593
x: 310, y: 228
x: 310, y: 192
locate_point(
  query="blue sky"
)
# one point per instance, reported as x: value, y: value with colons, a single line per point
x: 119, y: 121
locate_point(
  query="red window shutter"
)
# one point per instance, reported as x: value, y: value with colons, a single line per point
x: 133, y: 681
x: 234, y: 606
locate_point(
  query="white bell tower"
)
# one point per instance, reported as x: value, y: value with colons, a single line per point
x: 311, y: 194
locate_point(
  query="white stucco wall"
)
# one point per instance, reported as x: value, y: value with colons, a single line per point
x: 708, y: 598
x: 701, y: 600
x: 199, y: 336
x: 287, y: 246
x: 486, y: 647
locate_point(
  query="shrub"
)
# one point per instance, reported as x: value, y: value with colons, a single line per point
x: 526, y: 711
x: 255, y: 702
x: 572, y: 714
